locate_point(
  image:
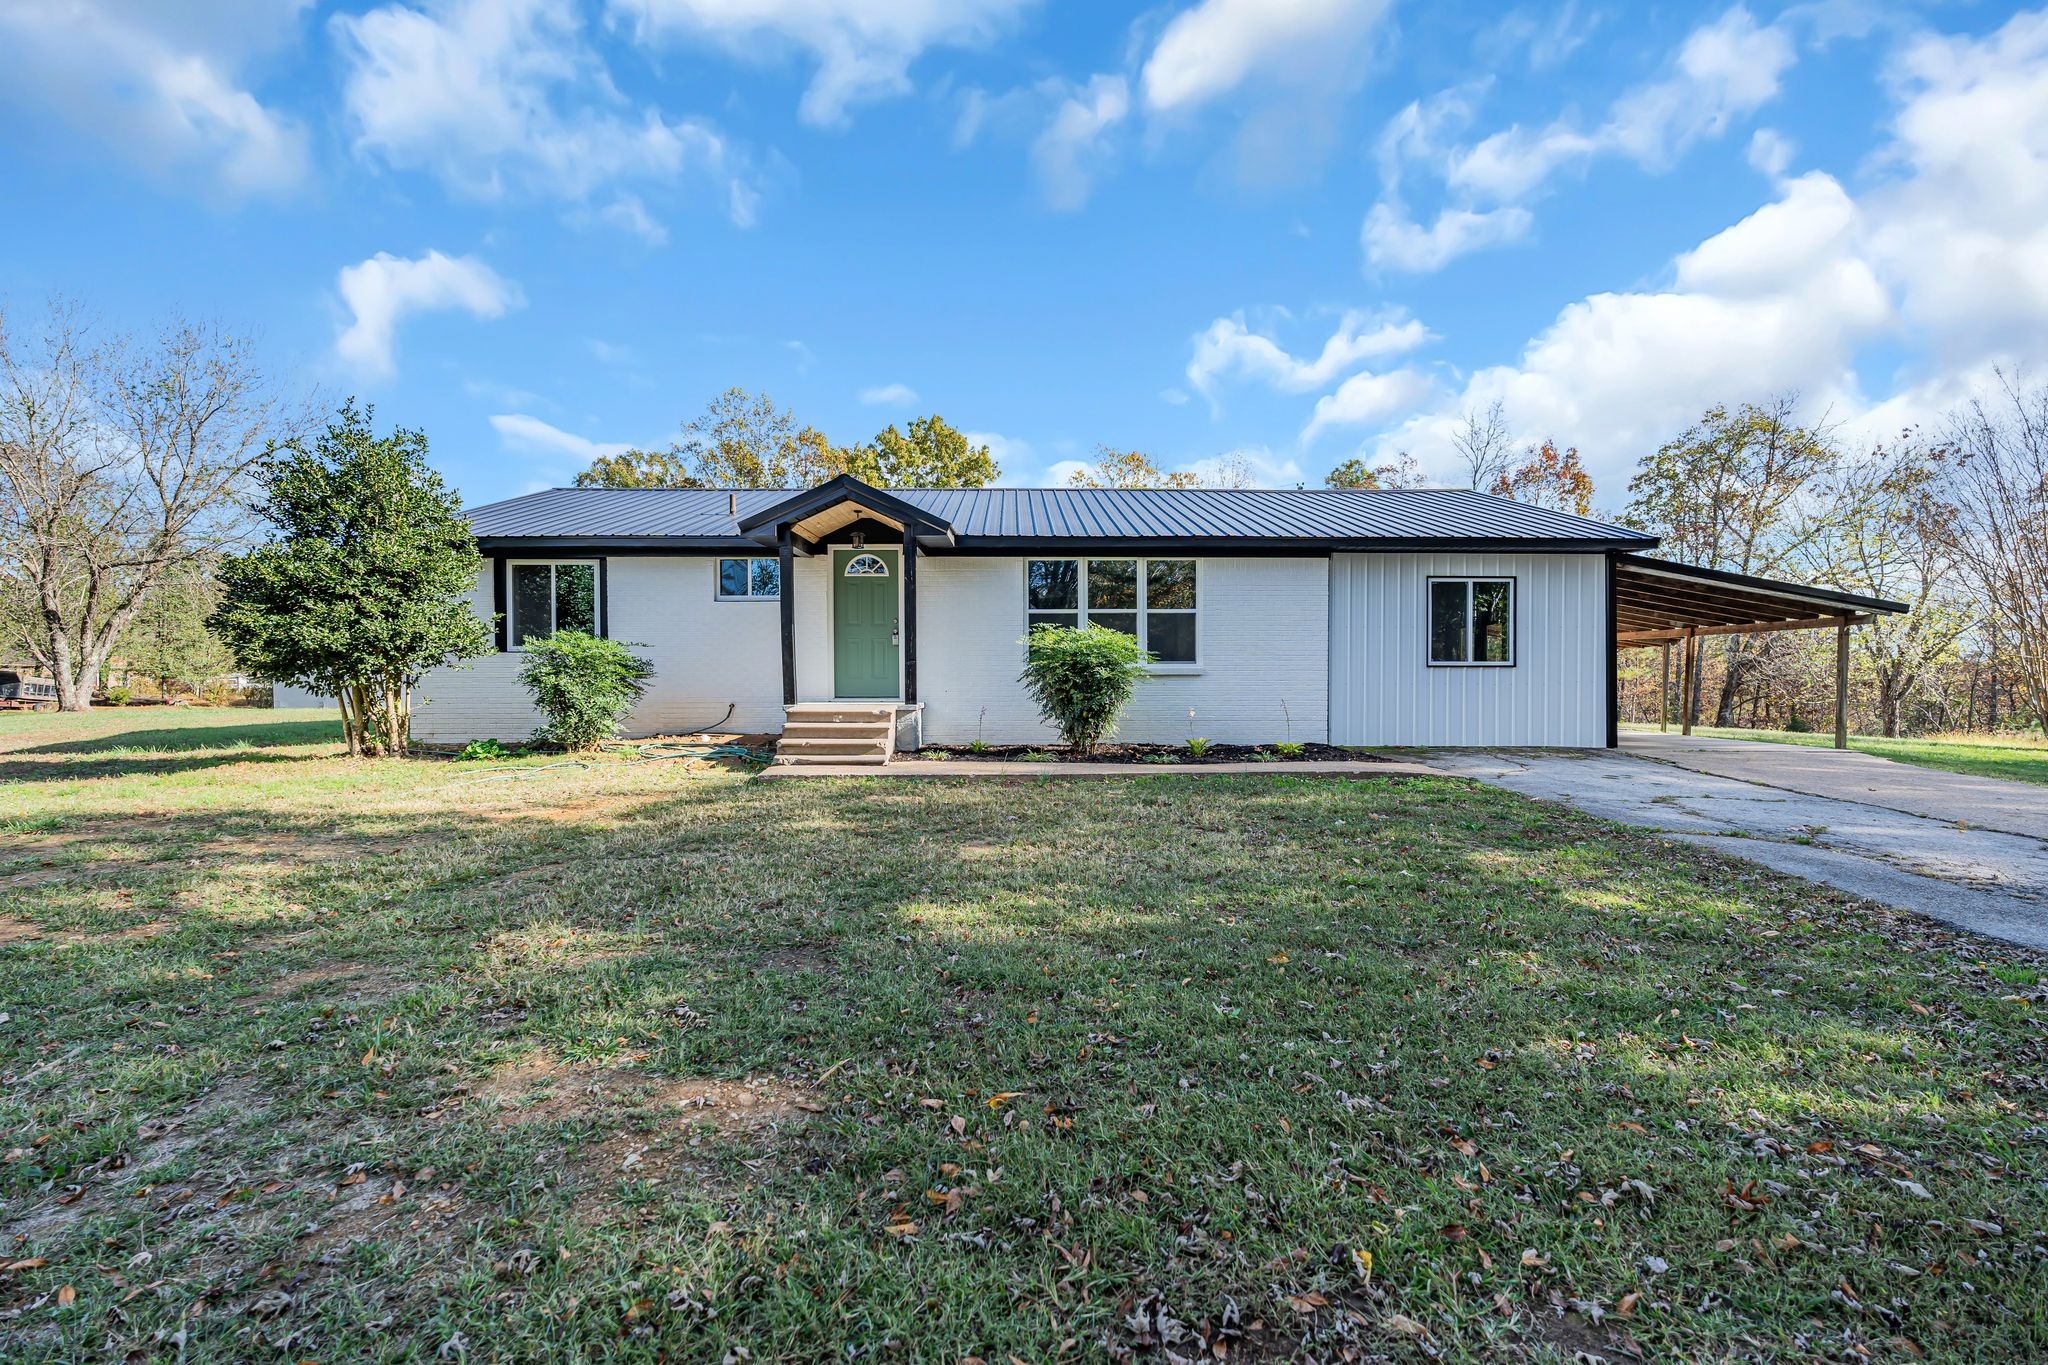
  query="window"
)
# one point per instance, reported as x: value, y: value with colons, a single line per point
x: 1472, y: 621
x: 551, y: 597
x: 742, y: 580
x: 866, y: 566
x: 1153, y: 599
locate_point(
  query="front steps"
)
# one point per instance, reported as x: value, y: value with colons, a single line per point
x: 818, y: 732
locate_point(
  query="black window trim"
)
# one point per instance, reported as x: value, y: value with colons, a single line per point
x: 1081, y: 611
x: 718, y: 592
x: 509, y: 628
x: 1514, y: 619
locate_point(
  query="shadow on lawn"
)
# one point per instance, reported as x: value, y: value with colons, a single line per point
x: 168, y: 749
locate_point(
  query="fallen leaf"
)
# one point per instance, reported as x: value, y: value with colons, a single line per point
x: 1534, y: 1259
x: 1405, y: 1325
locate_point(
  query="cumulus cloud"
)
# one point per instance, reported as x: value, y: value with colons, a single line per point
x: 1393, y: 240
x: 1229, y: 348
x: 1074, y: 147
x: 1944, y: 257
x: 1723, y: 71
x: 531, y: 436
x: 863, y: 48
x: 161, y: 83
x: 1368, y: 399
x: 889, y: 396
x: 498, y: 96
x: 1216, y: 46
x: 384, y: 290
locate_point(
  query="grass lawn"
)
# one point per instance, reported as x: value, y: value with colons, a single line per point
x: 312, y: 1059
x: 2017, y: 757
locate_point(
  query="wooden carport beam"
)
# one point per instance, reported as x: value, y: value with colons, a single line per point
x: 1658, y: 637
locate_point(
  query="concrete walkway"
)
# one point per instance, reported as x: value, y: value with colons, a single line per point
x: 976, y: 767
x: 1846, y: 775
x: 1982, y: 879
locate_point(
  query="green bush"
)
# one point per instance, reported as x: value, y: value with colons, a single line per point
x: 483, y: 751
x: 584, y: 685
x: 119, y: 696
x: 1798, y: 725
x: 1197, y: 746
x: 1082, y: 679
x: 1290, y: 749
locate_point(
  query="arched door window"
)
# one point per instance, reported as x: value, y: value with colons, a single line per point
x: 866, y: 566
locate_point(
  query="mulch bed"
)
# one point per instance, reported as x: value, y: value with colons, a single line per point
x: 1149, y: 753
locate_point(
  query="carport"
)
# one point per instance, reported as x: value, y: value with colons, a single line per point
x: 1658, y: 604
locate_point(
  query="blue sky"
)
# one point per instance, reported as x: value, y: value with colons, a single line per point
x: 1287, y: 231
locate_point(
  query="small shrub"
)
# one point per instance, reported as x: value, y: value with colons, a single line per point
x: 978, y: 746
x: 1798, y: 725
x: 584, y: 685
x: 1264, y: 756
x: 1290, y: 749
x: 1035, y: 756
x: 1155, y: 758
x: 483, y: 751
x: 1197, y: 746
x: 1082, y: 679
x: 119, y: 696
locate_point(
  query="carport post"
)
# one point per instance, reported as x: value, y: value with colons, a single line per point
x: 1664, y: 690
x: 1842, y: 683
x: 1688, y: 669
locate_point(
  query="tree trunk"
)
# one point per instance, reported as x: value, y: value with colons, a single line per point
x: 1731, y: 682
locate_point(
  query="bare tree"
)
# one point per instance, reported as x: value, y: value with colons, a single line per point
x: 1483, y: 440
x: 1884, y: 530
x: 119, y: 462
x: 1997, y: 485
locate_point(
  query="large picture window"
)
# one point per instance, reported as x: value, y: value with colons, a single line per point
x: 747, y: 580
x: 1152, y: 599
x: 1472, y: 622
x: 547, y: 597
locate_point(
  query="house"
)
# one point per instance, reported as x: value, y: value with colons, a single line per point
x: 1385, y: 617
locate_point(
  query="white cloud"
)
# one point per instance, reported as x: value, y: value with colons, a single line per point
x: 889, y: 396
x: 1724, y: 70
x: 1216, y: 46
x: 629, y: 214
x: 1229, y: 348
x: 1393, y: 240
x: 1013, y: 455
x: 863, y: 48
x: 494, y: 96
x: 1246, y: 467
x: 1771, y: 152
x: 531, y: 436
x: 160, y: 82
x: 384, y: 290
x: 608, y: 352
x: 1368, y: 399
x: 1074, y: 147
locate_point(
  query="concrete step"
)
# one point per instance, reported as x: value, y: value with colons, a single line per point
x: 828, y: 729
x: 834, y: 760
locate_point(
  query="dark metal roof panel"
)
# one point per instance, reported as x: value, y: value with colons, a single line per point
x: 1154, y: 514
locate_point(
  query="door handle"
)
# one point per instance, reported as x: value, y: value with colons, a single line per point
x: 895, y: 630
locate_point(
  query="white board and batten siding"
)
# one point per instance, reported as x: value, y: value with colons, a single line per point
x: 1262, y: 626
x: 707, y: 654
x: 1383, y: 691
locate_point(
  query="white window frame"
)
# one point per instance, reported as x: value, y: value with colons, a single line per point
x: 1143, y: 562
x: 718, y: 591
x: 512, y: 643
x: 1471, y: 624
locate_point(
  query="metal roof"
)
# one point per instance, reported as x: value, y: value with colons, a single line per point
x: 707, y: 516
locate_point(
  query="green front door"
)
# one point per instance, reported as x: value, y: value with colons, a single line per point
x: 864, y: 623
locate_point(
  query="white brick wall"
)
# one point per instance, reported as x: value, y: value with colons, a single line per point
x: 706, y: 654
x: 1263, y: 640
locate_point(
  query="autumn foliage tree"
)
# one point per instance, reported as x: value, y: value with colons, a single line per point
x: 1128, y: 469
x: 1550, y: 478
x: 1400, y: 472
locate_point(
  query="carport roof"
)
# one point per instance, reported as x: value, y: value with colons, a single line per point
x: 1658, y: 599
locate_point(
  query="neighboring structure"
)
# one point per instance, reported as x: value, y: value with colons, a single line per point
x: 1395, y: 617
x: 21, y: 687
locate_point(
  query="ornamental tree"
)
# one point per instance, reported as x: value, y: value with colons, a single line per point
x: 365, y: 584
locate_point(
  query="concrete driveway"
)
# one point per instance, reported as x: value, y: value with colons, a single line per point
x: 1969, y: 851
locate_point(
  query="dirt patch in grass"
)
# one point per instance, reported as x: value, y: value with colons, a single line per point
x: 348, y: 980
x: 16, y: 930
x: 819, y: 958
